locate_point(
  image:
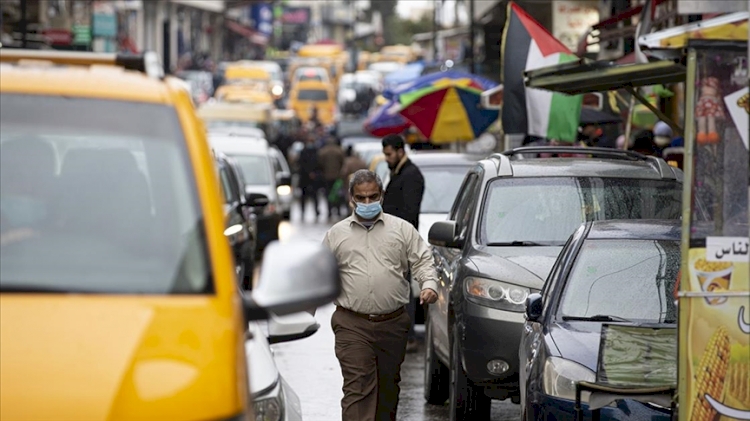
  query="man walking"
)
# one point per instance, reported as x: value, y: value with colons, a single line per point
x: 331, y: 158
x: 403, y: 198
x: 370, y: 324
x: 309, y: 176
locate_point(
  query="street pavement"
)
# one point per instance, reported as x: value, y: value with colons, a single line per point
x: 310, y: 366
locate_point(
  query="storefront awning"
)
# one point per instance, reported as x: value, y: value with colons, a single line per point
x: 588, y: 77
x: 242, y: 30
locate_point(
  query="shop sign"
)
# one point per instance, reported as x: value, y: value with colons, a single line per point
x: 261, y: 15
x: 105, y: 25
x: 295, y: 15
x: 572, y: 18
x: 81, y: 34
x: 58, y: 36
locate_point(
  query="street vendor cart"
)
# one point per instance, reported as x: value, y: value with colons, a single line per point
x: 712, y: 348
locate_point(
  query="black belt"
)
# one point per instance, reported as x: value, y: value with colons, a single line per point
x: 374, y: 317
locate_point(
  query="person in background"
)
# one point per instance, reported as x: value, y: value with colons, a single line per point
x: 403, y: 199
x: 373, y: 251
x: 352, y: 164
x: 331, y: 159
x: 644, y: 144
x: 309, y: 176
x: 593, y: 135
x: 662, y: 134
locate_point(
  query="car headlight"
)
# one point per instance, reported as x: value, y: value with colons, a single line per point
x: 270, y: 408
x: 561, y: 376
x: 284, y: 190
x: 277, y: 90
x: 496, y: 294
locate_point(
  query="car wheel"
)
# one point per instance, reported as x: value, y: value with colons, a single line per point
x: 436, y: 376
x: 467, y: 401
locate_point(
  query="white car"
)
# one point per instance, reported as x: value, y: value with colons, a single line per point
x: 273, y: 398
x: 256, y: 161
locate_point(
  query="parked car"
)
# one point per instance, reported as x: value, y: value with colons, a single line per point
x: 113, y: 249
x: 241, y: 229
x: 273, y: 398
x: 443, y: 174
x: 504, y: 232
x: 255, y: 162
x: 284, y: 185
x: 614, y: 272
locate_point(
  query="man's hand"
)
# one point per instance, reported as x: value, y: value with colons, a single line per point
x: 427, y: 296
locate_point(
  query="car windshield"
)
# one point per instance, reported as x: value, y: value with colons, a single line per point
x: 545, y: 210
x: 624, y: 279
x: 441, y: 186
x: 312, y: 95
x: 91, y: 202
x: 254, y: 169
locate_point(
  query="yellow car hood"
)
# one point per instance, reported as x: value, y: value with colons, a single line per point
x: 93, y: 357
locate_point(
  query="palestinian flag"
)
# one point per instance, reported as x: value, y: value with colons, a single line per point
x: 527, y: 45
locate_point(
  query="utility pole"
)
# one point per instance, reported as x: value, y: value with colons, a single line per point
x: 434, y: 29
x: 24, y: 24
x: 472, y: 32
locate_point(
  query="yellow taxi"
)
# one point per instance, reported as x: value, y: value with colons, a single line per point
x: 118, y: 297
x: 246, y: 83
x: 218, y: 115
x: 307, y: 97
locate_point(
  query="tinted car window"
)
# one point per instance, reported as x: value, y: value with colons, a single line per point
x: 255, y: 169
x: 226, y: 186
x: 312, y: 95
x: 548, y: 209
x: 91, y: 202
x: 441, y: 186
x: 631, y: 279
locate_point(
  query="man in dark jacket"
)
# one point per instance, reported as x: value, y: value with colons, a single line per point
x: 403, y: 198
x: 309, y: 176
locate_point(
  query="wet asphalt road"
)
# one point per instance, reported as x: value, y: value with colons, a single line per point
x: 310, y: 366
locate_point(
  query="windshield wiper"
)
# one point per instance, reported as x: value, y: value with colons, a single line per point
x: 515, y: 244
x: 596, y: 318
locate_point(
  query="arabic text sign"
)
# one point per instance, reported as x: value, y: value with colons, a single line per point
x: 727, y: 249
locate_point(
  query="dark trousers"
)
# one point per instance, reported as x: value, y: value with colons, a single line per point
x: 370, y: 354
x: 310, y: 191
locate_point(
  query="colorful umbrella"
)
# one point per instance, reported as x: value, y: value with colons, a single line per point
x: 436, y: 78
x: 447, y: 111
x: 386, y: 120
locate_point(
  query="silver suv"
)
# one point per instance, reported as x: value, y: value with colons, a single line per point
x: 512, y: 216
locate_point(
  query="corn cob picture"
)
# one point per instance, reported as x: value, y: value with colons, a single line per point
x: 710, y: 375
x: 744, y: 102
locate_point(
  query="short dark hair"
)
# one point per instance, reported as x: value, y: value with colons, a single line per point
x: 396, y: 141
x: 362, y: 177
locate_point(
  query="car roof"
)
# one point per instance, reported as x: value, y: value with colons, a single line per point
x: 443, y: 159
x: 598, y: 162
x: 635, y: 229
x: 96, y: 81
x: 584, y: 167
x: 232, y: 145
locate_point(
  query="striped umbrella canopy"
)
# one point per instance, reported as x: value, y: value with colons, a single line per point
x: 447, y: 111
x: 428, y: 80
x: 386, y: 120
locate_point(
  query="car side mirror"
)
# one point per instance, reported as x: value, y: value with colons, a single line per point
x: 534, y: 307
x: 291, y: 327
x: 256, y: 200
x: 283, y: 179
x: 295, y: 277
x: 443, y: 234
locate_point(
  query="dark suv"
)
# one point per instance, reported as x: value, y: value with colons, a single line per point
x: 510, y: 220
